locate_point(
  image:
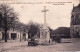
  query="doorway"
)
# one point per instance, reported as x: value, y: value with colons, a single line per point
x: 13, y: 36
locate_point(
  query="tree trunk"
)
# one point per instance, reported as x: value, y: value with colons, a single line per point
x: 5, y: 35
x: 6, y: 27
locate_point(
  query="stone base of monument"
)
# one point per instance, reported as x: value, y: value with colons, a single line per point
x: 46, y: 42
x: 43, y: 42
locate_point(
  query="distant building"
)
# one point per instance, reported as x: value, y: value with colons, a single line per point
x: 75, y: 22
x: 14, y: 35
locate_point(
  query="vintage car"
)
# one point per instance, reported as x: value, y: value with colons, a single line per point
x: 32, y: 42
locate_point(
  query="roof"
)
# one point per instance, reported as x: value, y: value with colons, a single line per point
x: 76, y: 8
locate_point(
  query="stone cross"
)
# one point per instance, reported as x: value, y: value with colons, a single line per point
x: 45, y: 10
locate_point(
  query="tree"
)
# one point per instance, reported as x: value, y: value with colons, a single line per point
x: 33, y: 29
x: 8, y: 18
x: 51, y: 31
x: 21, y: 27
x: 0, y: 20
x: 62, y: 30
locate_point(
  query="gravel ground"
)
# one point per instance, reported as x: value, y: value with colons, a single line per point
x: 57, y: 47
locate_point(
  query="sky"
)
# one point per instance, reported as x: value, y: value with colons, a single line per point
x: 31, y: 10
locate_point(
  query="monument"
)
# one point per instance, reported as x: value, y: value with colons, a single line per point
x: 44, y: 31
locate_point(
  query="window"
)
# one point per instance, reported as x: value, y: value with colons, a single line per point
x: 77, y: 28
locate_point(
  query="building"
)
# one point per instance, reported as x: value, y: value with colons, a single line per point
x: 75, y: 22
x: 0, y: 35
x: 14, y: 35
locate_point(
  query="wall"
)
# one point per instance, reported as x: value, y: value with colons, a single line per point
x: 0, y: 35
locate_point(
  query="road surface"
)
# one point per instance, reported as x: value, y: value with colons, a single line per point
x: 23, y: 47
